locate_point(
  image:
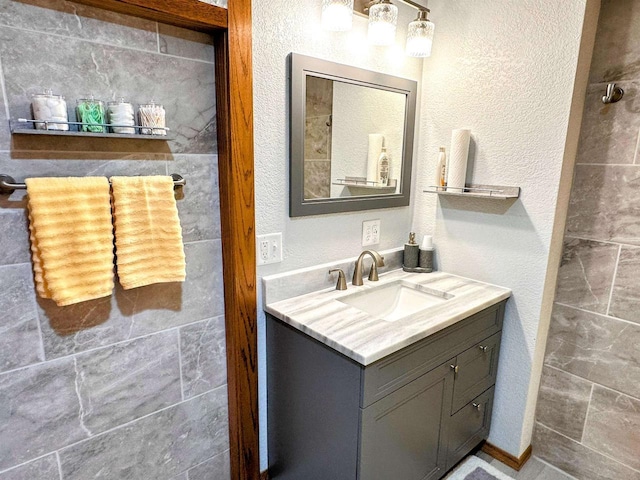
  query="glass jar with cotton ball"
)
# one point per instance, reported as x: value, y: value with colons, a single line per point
x: 48, y: 108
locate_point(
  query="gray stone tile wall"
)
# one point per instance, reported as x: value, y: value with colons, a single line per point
x: 131, y: 386
x: 587, y: 419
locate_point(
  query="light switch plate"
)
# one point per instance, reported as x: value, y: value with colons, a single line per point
x: 269, y: 248
x: 370, y: 232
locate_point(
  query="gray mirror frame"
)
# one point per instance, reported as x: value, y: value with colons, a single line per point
x: 300, y: 67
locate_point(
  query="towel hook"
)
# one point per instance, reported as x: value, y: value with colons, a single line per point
x: 614, y: 94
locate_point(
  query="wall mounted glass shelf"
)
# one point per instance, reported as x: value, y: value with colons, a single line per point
x: 477, y: 191
x: 20, y: 128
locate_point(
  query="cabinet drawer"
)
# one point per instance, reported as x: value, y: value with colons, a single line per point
x: 390, y: 373
x: 402, y: 434
x: 477, y: 369
x: 469, y: 426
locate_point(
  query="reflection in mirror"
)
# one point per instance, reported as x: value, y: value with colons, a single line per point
x: 345, y: 129
x: 351, y: 138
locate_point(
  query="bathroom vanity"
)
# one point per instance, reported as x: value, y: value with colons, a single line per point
x: 353, y: 396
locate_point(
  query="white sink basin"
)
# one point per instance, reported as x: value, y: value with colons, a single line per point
x: 396, y: 300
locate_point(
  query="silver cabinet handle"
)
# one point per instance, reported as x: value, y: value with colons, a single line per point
x: 455, y: 368
x: 477, y: 406
x: 483, y: 348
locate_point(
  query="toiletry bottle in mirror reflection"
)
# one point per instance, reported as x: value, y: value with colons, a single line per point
x: 441, y: 171
x: 383, y: 168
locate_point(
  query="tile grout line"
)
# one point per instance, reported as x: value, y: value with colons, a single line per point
x: 586, y: 416
x: 613, y: 280
x: 598, y: 314
x: 71, y: 355
x: 568, y: 373
x: 593, y: 382
x: 4, y: 91
x: 57, y: 452
x: 157, y: 37
x: 117, y: 427
x: 608, y: 242
x: 103, y: 44
x: 179, y: 337
x: 59, y: 464
x: 27, y: 462
x: 589, y: 448
x: 582, y: 164
x: 568, y: 475
x: 207, y: 460
x: 635, y: 153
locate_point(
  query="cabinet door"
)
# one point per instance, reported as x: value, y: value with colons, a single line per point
x: 469, y: 426
x: 403, y: 435
x: 477, y: 369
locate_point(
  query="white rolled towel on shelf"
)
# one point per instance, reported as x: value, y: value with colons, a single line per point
x: 376, y: 141
x: 458, y: 157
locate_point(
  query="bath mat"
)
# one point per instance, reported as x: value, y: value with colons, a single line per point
x: 474, y: 468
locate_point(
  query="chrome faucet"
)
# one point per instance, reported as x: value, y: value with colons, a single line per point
x: 378, y: 261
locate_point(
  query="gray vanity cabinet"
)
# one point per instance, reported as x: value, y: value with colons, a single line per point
x: 409, y: 416
x: 402, y: 434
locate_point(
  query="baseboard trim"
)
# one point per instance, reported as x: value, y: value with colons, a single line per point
x: 264, y: 475
x: 505, y: 457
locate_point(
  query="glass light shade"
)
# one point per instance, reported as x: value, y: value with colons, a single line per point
x: 337, y: 15
x: 382, y: 24
x: 420, y: 38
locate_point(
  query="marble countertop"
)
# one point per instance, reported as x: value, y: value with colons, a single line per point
x: 366, y: 338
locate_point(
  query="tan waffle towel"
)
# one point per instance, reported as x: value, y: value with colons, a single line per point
x: 148, y: 234
x: 71, y: 238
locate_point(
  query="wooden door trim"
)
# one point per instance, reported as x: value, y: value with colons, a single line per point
x: 231, y: 29
x: 182, y: 13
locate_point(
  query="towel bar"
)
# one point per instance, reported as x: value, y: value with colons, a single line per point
x: 8, y: 185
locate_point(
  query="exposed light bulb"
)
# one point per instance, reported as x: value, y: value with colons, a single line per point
x: 420, y: 36
x: 337, y: 15
x: 383, y: 18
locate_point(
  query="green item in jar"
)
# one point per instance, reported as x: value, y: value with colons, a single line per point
x: 91, y: 114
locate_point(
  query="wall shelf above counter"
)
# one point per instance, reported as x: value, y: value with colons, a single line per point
x: 498, y: 192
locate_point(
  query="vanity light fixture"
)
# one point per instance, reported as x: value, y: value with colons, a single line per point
x: 337, y: 15
x: 420, y: 35
x: 383, y: 17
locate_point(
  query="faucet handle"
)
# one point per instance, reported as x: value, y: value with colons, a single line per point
x: 342, y: 282
x: 373, y: 273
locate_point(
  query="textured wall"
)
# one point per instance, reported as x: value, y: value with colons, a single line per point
x: 588, y: 415
x: 323, y: 238
x: 505, y: 70
x: 132, y: 386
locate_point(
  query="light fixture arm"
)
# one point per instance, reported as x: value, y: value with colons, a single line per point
x: 415, y: 5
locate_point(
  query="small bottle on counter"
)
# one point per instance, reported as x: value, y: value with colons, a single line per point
x: 121, y: 114
x: 91, y: 114
x: 50, y: 108
x: 152, y: 115
x: 411, y: 251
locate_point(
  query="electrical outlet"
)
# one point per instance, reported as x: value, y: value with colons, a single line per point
x: 269, y: 248
x: 370, y: 232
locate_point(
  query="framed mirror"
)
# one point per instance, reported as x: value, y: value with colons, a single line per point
x: 351, y: 138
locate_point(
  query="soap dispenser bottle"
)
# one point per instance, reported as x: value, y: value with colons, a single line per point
x: 411, y: 253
